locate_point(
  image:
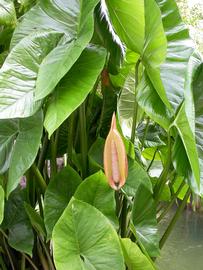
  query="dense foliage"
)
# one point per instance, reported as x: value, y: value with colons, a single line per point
x: 66, y: 67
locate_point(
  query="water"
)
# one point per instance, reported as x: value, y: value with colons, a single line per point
x: 184, y: 248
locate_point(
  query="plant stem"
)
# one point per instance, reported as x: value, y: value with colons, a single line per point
x: 54, y: 144
x: 174, y: 219
x: 171, y: 202
x: 150, y: 164
x: 71, y: 128
x: 135, y: 109
x: 51, y: 266
x: 23, y: 262
x: 163, y: 178
x: 8, y: 253
x: 2, y: 264
x: 39, y: 178
x: 83, y: 138
x: 43, y: 152
x: 123, y: 219
x: 30, y: 261
x: 145, y: 133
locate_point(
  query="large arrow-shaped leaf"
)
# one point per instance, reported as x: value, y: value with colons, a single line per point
x: 83, y: 238
x: 75, y: 20
x: 74, y: 87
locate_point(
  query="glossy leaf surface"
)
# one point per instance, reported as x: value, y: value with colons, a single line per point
x: 134, y: 258
x: 73, y: 90
x: 22, y: 66
x: 83, y: 238
x: 7, y: 12
x: 96, y: 191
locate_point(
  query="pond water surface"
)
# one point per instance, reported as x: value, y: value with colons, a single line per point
x: 184, y: 248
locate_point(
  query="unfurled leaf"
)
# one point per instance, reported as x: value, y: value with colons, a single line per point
x: 115, y: 158
x: 73, y: 90
x: 83, y: 238
x: 96, y: 191
x: 74, y: 20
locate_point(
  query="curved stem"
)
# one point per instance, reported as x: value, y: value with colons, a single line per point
x: 83, y: 138
x: 39, y: 177
x: 43, y: 152
x: 171, y: 202
x: 54, y: 145
x: 174, y: 219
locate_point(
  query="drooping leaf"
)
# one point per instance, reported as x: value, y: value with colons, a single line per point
x: 19, y: 72
x: 96, y: 191
x: 72, y: 18
x: 136, y: 176
x: 134, y: 258
x: 1, y: 204
x: 83, y: 238
x: 59, y: 192
x: 35, y: 219
x: 20, y: 235
x: 7, y: 12
x: 19, y: 144
x: 188, y: 139
x: 179, y: 49
x: 151, y: 103
x: 144, y: 220
x: 128, y: 21
x: 74, y: 87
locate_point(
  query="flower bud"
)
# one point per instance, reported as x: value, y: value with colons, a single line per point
x: 115, y: 158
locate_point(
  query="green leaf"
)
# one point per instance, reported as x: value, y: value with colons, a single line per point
x: 72, y: 18
x: 134, y: 258
x: 1, y: 204
x: 188, y: 139
x: 128, y: 21
x: 35, y: 219
x: 179, y: 49
x: 27, y: 133
x: 95, y: 153
x: 74, y: 87
x: 83, y: 238
x: 144, y: 220
x: 57, y: 196
x: 152, y: 134
x: 17, y: 222
x: 151, y: 103
x: 136, y: 176
x: 96, y: 191
x: 155, y: 45
x: 7, y: 12
x: 21, y: 66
